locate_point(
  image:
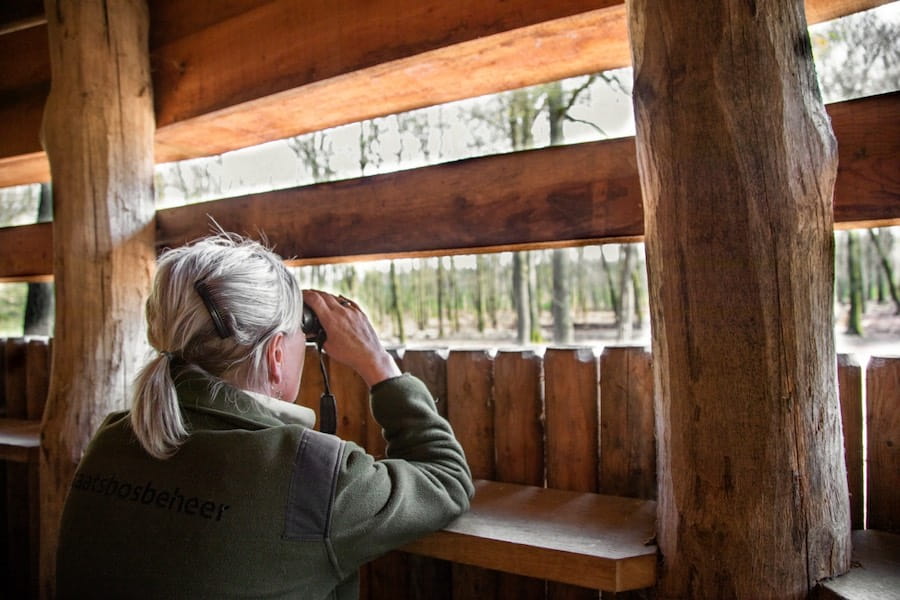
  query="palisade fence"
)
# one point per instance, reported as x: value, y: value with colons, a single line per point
x: 565, y: 419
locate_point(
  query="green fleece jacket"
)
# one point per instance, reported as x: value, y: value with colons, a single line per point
x: 251, y: 507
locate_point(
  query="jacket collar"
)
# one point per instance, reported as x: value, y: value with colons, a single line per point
x: 244, y: 409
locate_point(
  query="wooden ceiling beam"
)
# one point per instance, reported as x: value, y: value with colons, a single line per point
x: 867, y: 189
x: 232, y: 74
x: 20, y: 15
x: 27, y: 253
x: 566, y: 195
x: 283, y: 45
x: 584, y: 43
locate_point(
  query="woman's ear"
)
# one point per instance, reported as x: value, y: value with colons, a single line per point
x: 275, y: 359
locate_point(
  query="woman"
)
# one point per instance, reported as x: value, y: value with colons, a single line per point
x: 215, y: 485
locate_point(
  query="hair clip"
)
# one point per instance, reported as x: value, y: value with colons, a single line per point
x: 221, y: 326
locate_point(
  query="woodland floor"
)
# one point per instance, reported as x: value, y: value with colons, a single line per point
x: 881, y: 332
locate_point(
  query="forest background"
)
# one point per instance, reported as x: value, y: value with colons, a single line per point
x: 590, y: 295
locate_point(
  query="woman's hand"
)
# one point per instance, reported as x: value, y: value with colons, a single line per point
x: 351, y: 339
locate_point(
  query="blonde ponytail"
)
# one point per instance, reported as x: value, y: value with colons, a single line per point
x: 155, y: 416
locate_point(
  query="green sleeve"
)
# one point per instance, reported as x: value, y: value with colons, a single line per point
x: 422, y: 485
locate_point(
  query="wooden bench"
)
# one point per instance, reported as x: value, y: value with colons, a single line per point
x: 875, y: 572
x: 20, y: 440
x: 590, y: 540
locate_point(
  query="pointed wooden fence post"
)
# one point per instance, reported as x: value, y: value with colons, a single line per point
x: 98, y: 133
x: 883, y: 464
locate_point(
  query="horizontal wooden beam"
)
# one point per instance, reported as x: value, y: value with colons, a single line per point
x: 26, y: 252
x: 284, y: 45
x: 557, y: 195
x: 21, y: 14
x: 24, y: 84
x: 566, y: 195
x: 231, y: 75
x: 590, y: 540
x: 867, y: 190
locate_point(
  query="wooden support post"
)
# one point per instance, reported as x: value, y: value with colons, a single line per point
x: 98, y: 133
x: 737, y: 163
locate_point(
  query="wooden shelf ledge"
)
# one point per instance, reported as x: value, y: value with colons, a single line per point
x: 875, y: 572
x: 590, y: 540
x: 20, y: 440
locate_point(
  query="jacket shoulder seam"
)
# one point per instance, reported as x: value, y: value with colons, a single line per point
x: 312, y: 487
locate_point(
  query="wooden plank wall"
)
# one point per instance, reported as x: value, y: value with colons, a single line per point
x: 883, y: 437
x: 566, y: 419
x: 24, y: 382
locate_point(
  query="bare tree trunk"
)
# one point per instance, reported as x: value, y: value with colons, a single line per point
x: 562, y: 302
x: 98, y: 133
x: 610, y: 283
x: 737, y: 163
x: 440, y: 296
x: 480, y: 293
x: 639, y: 297
x: 581, y: 292
x: 886, y: 267
x: 395, y: 304
x: 349, y: 280
x: 520, y: 298
x: 493, y: 301
x: 453, y: 292
x: 854, y: 273
x: 39, y: 301
x: 625, y: 313
x: 534, y: 309
x: 421, y: 293
x: 871, y: 270
x: 313, y: 153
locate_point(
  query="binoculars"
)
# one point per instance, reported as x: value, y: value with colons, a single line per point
x: 311, y: 326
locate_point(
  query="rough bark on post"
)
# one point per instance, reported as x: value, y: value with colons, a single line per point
x: 737, y: 164
x: 98, y: 133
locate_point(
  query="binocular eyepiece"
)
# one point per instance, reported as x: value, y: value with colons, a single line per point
x: 311, y: 326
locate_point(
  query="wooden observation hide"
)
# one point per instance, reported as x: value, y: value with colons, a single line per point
x: 734, y: 181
